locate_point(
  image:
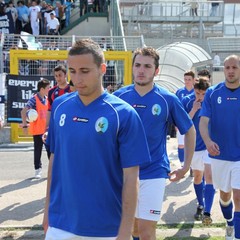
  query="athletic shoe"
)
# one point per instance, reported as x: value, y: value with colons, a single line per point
x: 38, y: 173
x: 199, y: 214
x: 229, y: 233
x: 206, y: 219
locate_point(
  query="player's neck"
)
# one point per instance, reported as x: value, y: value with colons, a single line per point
x: 143, y: 89
x: 234, y: 85
x: 62, y: 86
x: 88, y: 99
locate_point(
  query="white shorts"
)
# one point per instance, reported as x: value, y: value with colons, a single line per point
x: 207, y: 159
x: 198, y: 160
x: 58, y: 234
x: 150, y: 199
x: 180, y: 138
x: 225, y: 174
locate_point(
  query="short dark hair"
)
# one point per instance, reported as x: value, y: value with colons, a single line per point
x: 60, y: 67
x: 204, y: 73
x: 201, y: 84
x: 147, y: 51
x: 42, y: 83
x: 189, y: 73
x: 88, y: 46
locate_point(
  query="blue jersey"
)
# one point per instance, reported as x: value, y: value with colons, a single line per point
x: 183, y: 92
x: 188, y: 104
x: 222, y: 106
x: 91, y: 145
x: 155, y: 109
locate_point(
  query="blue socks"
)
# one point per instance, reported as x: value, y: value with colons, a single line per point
x: 181, y: 154
x: 135, y: 238
x: 208, y: 196
x: 237, y: 224
x: 199, y: 193
x: 227, y: 213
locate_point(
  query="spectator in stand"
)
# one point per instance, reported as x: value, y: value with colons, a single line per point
x: 53, y: 25
x: 34, y: 14
x: 214, y: 9
x: 68, y: 6
x: 90, y: 6
x: 13, y: 11
x: 194, y: 7
x: 47, y: 17
x: 60, y: 14
x: 23, y: 18
x: 83, y: 7
x: 102, y: 6
x: 216, y: 62
x: 96, y: 6
x: 43, y: 9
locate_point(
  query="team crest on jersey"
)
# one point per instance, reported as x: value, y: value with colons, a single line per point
x: 101, y: 125
x: 156, y: 109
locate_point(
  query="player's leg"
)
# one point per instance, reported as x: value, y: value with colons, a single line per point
x: 151, y: 193
x: 235, y: 183
x: 221, y: 176
x: 209, y: 191
x: 180, y: 139
x: 197, y: 168
x: 38, y: 144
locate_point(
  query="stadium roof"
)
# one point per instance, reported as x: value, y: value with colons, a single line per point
x: 177, y: 58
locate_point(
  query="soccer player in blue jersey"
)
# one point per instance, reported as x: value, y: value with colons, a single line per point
x: 156, y: 107
x: 192, y: 104
x: 97, y: 143
x: 220, y: 130
x: 189, y: 77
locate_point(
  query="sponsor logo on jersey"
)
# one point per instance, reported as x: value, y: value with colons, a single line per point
x: 156, y: 109
x: 232, y: 98
x: 155, y: 212
x: 79, y: 119
x: 139, y: 106
x: 101, y: 125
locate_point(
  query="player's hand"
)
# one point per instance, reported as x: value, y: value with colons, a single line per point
x: 213, y: 148
x: 25, y: 131
x: 196, y: 106
x: 177, y: 175
x: 44, y: 137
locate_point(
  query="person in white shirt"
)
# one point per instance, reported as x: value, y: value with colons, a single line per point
x: 53, y: 25
x: 216, y: 62
x: 34, y: 13
x: 47, y: 17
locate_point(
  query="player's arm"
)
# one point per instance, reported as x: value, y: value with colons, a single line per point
x: 189, y: 147
x: 49, y: 179
x: 24, y: 119
x: 129, y: 201
x: 212, y: 147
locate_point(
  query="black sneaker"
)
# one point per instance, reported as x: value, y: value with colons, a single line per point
x: 199, y: 214
x: 206, y: 219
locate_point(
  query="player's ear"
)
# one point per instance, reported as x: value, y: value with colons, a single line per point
x: 156, y: 71
x: 103, y: 68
